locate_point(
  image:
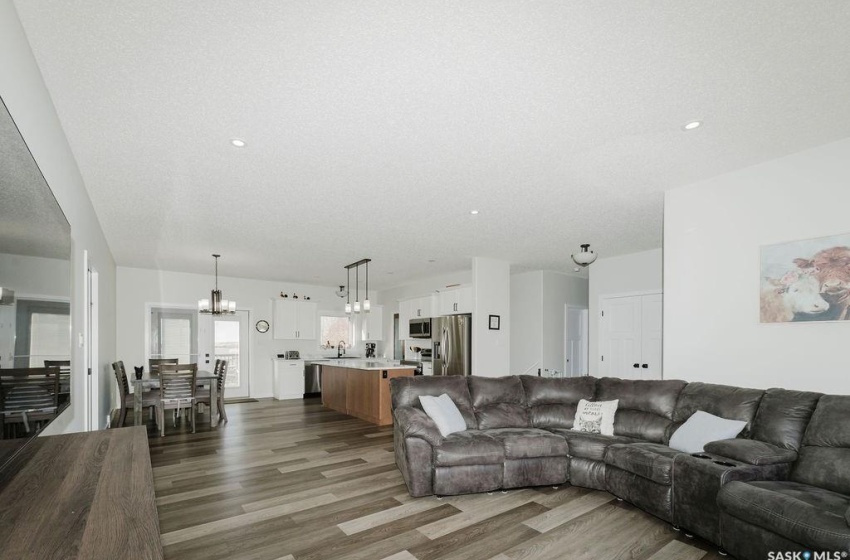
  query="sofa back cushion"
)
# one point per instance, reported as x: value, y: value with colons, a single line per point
x: 824, y: 459
x: 725, y: 401
x: 782, y: 417
x: 645, y: 409
x: 406, y: 391
x: 552, y: 402
x: 498, y: 402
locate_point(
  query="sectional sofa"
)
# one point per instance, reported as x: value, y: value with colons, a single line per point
x: 782, y: 485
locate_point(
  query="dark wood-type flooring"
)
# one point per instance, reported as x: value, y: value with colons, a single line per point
x: 293, y: 480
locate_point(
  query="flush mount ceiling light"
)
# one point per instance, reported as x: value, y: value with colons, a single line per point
x: 366, y: 306
x: 216, y: 305
x: 692, y: 125
x: 238, y: 142
x: 585, y: 257
x: 341, y: 292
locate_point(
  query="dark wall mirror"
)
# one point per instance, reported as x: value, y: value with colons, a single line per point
x: 35, y: 296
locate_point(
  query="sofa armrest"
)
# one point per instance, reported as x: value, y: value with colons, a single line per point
x: 415, y: 423
x: 751, y: 451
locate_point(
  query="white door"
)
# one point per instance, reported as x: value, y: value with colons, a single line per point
x: 225, y: 337
x: 575, y: 342
x: 630, y: 337
x: 651, y: 316
x: 94, y: 375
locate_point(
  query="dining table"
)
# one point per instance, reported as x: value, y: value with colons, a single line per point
x: 206, y: 378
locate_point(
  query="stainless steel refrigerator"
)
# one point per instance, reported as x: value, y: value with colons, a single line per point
x: 451, y: 339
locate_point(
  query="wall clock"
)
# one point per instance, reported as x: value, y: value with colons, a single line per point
x: 262, y: 326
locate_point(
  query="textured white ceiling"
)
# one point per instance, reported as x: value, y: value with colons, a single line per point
x: 373, y: 128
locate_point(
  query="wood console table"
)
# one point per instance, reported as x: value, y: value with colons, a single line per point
x: 87, y: 495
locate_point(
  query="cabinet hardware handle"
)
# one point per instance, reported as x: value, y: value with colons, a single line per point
x: 645, y: 366
x: 636, y: 365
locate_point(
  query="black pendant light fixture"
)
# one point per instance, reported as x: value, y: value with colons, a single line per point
x: 348, y: 292
x: 366, y: 306
x: 216, y: 305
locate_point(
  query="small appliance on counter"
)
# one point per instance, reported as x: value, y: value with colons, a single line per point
x: 292, y: 355
x: 370, y: 349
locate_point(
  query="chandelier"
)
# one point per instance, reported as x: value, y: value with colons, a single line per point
x: 215, y: 305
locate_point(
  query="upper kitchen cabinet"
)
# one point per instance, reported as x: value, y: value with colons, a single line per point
x: 414, y: 308
x: 372, y: 327
x: 294, y: 319
x: 455, y: 301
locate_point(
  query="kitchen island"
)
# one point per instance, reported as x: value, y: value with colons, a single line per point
x: 361, y: 388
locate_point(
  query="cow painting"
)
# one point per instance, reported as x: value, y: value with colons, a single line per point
x: 806, y: 280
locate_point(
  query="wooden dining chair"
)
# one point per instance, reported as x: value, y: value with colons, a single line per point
x: 64, y: 377
x: 177, y: 386
x: 127, y: 399
x: 29, y: 398
x: 154, y: 363
x: 203, y: 394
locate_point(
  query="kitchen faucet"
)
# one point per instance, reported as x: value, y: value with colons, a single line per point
x: 340, y: 349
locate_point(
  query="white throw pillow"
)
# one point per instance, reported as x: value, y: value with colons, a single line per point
x: 596, y: 417
x: 443, y: 411
x: 702, y: 428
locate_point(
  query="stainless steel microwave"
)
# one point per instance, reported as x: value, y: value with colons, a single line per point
x: 420, y: 328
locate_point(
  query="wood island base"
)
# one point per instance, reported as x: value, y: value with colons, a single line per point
x: 362, y: 393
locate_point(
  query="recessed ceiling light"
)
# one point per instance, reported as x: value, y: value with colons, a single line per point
x: 474, y: 212
x: 692, y: 125
x: 238, y: 142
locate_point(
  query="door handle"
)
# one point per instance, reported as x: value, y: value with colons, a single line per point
x: 645, y: 366
x: 636, y: 365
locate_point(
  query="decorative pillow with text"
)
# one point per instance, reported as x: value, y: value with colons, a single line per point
x: 596, y: 417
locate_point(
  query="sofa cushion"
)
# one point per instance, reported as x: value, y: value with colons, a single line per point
x: 529, y: 442
x: 725, y: 401
x: 782, y: 417
x: 751, y: 451
x: 825, y: 456
x: 648, y: 460
x: 498, y: 402
x: 471, y: 447
x: 589, y: 446
x: 805, y: 514
x: 702, y: 428
x: 552, y: 402
x: 406, y: 391
x: 645, y: 409
x: 444, y: 413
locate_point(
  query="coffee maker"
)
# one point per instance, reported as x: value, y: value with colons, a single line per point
x: 370, y: 349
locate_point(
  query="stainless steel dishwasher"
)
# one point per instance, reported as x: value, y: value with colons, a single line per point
x: 312, y: 379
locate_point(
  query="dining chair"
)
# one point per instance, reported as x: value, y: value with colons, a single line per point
x: 127, y: 399
x: 29, y: 398
x: 64, y: 377
x: 177, y: 386
x: 203, y: 394
x: 154, y: 363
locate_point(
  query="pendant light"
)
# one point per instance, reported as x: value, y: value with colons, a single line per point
x: 216, y: 305
x: 357, y: 289
x: 367, y: 305
x: 348, y: 292
x: 585, y: 257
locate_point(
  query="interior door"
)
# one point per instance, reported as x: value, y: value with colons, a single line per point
x: 575, y: 342
x: 651, y: 317
x: 225, y: 337
x: 620, y: 337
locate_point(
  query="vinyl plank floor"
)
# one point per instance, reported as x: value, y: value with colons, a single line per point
x: 291, y: 480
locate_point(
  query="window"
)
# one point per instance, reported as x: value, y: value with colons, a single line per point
x: 43, y: 332
x: 174, y: 334
x: 334, y: 328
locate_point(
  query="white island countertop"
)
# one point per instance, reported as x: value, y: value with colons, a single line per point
x: 364, y: 364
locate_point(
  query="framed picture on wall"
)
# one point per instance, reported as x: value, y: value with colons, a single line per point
x: 495, y: 322
x: 805, y: 280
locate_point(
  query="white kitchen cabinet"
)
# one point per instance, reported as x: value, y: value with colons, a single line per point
x: 372, y: 326
x: 294, y: 319
x: 414, y: 308
x: 455, y: 301
x: 288, y: 380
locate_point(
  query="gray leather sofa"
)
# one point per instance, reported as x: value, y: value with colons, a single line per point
x: 783, y: 484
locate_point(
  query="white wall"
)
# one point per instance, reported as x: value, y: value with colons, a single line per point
x: 35, y: 276
x: 29, y: 103
x: 712, y: 234
x: 138, y: 287
x: 491, y: 288
x: 538, y: 326
x: 623, y: 274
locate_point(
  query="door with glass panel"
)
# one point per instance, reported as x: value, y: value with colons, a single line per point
x: 225, y: 337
